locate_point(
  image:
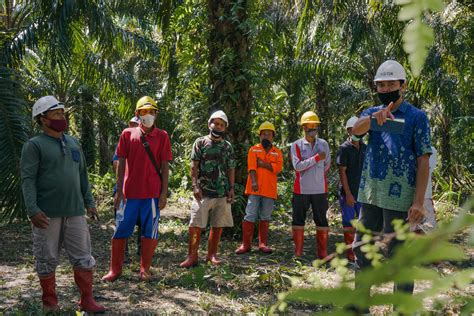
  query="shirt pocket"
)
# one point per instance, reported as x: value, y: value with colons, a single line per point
x: 76, y: 155
x: 272, y: 158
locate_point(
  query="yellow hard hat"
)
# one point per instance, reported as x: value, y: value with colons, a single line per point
x: 309, y: 117
x: 146, y: 102
x: 266, y: 126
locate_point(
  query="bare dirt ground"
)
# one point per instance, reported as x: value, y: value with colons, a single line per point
x: 247, y: 283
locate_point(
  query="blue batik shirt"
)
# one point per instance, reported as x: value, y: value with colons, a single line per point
x: 389, y: 173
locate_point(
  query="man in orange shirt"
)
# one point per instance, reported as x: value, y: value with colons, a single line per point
x: 264, y: 163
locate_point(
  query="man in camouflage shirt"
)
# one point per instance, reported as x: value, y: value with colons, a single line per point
x: 212, y: 172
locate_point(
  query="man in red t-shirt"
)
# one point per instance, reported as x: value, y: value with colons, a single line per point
x: 141, y: 190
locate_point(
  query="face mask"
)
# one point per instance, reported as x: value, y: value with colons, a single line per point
x: 57, y: 125
x: 355, y: 138
x: 388, y: 97
x: 215, y: 133
x: 312, y: 132
x: 147, y: 120
x: 266, y: 143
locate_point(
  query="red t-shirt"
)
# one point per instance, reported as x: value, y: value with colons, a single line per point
x: 141, y: 180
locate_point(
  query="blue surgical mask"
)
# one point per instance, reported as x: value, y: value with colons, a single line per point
x: 355, y: 138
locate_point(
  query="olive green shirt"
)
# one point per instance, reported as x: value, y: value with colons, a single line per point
x: 54, y: 177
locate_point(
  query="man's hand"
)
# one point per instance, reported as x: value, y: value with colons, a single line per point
x: 321, y: 155
x: 92, y: 213
x: 255, y: 187
x: 162, y: 201
x: 382, y: 114
x: 230, y: 196
x: 118, y: 198
x: 263, y: 164
x: 40, y: 220
x: 350, y: 199
x: 197, y: 193
x: 416, y: 214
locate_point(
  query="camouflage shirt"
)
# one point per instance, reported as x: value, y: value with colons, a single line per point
x: 215, y: 159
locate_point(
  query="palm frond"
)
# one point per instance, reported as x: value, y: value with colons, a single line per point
x: 13, y: 133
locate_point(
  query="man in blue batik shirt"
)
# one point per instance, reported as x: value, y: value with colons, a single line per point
x: 396, y: 166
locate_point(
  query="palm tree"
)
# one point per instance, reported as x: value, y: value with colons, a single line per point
x: 62, y: 31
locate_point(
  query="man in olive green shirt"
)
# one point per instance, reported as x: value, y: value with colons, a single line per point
x: 56, y: 193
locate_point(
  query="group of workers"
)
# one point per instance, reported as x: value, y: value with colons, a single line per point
x: 382, y: 180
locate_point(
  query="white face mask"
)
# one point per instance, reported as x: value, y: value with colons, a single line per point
x: 147, y: 120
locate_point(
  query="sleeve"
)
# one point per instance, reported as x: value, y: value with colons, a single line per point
x: 86, y: 188
x: 327, y: 161
x: 422, y: 135
x: 369, y: 111
x: 342, y: 157
x: 29, y: 164
x: 122, y: 148
x: 251, y: 160
x: 231, y: 162
x: 298, y: 163
x: 278, y: 165
x: 166, y: 154
x: 196, y: 153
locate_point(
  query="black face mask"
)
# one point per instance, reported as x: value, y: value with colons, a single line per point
x: 216, y: 134
x: 266, y: 143
x: 388, y: 97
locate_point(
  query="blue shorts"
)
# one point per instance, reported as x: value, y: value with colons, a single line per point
x: 258, y: 208
x: 348, y: 212
x: 146, y: 211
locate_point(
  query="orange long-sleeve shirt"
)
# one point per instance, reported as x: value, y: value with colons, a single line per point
x: 266, y: 179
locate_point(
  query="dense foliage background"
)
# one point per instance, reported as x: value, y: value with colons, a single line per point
x: 256, y: 60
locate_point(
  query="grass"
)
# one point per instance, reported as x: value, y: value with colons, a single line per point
x: 246, y: 283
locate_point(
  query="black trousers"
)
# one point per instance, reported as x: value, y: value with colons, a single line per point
x: 319, y: 205
x: 378, y: 219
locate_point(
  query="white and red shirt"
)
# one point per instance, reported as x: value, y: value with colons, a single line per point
x: 311, y: 173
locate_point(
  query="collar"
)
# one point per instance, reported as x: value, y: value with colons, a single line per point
x: 305, y: 141
x: 403, y: 106
x: 151, y: 133
x: 214, y: 140
x: 259, y: 145
x: 361, y: 143
x: 62, y: 138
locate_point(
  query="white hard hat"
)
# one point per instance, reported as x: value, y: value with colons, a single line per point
x: 350, y: 122
x: 135, y: 120
x: 45, y: 104
x: 220, y: 115
x: 390, y: 70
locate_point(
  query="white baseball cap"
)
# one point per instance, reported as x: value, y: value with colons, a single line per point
x: 46, y: 103
x: 350, y: 122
